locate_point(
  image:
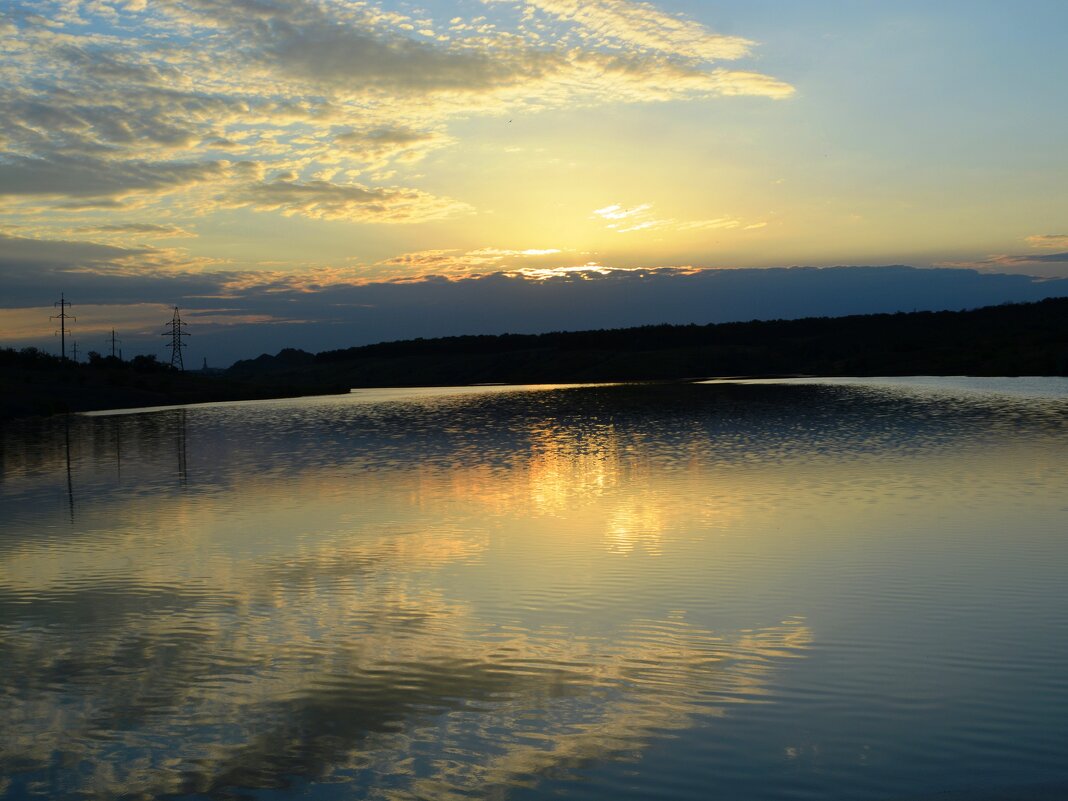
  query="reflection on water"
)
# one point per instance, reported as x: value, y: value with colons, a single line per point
x: 772, y: 591
x: 179, y: 440
x: 70, y: 480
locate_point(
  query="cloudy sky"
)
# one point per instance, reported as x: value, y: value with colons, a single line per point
x: 323, y: 173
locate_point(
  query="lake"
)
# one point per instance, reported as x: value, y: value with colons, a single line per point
x: 844, y: 589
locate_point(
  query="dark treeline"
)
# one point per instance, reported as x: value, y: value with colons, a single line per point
x: 39, y: 360
x: 33, y: 382
x: 1011, y: 339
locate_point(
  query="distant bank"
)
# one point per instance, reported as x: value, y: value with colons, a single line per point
x: 1011, y: 339
x: 34, y: 383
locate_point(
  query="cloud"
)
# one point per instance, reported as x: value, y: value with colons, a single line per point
x: 643, y: 26
x: 379, y: 146
x: 424, y: 260
x: 630, y: 219
x: 354, y: 202
x: 140, y: 230
x: 323, y: 53
x: 79, y: 114
x: 1048, y: 241
x: 16, y: 252
x: 530, y: 252
x: 109, y: 106
x: 581, y: 272
x: 88, y: 177
x: 1048, y: 265
x: 445, y: 292
x: 341, y: 46
x: 619, y: 212
x: 456, y: 263
x: 737, y: 83
x: 33, y: 269
x: 1047, y: 258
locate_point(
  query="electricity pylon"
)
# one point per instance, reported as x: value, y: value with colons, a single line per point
x: 62, y: 304
x: 176, y: 333
x: 113, y: 342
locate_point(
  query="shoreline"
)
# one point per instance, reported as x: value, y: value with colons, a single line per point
x: 54, y: 393
x: 93, y: 401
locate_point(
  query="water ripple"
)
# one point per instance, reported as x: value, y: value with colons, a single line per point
x: 761, y: 592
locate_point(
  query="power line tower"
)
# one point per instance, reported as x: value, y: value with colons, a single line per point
x: 74, y: 347
x: 112, y: 339
x: 62, y: 304
x: 176, y: 332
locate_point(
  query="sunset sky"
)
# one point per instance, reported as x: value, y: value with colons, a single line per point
x: 329, y: 173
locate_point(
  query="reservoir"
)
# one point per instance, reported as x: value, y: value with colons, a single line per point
x: 828, y: 589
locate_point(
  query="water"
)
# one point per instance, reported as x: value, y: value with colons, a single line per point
x: 831, y: 590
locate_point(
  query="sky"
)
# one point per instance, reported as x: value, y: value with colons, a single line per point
x: 327, y: 173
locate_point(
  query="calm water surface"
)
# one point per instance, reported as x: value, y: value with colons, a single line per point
x: 736, y: 591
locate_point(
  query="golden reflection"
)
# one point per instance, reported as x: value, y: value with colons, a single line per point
x: 568, y: 466
x: 590, y: 482
x: 570, y: 472
x: 636, y: 525
x: 318, y: 630
x: 345, y: 616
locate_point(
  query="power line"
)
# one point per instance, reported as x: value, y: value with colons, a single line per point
x: 176, y: 333
x: 114, y: 341
x: 62, y: 304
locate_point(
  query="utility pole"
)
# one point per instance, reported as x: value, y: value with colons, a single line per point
x: 74, y: 347
x: 176, y: 333
x: 62, y: 304
x: 113, y: 343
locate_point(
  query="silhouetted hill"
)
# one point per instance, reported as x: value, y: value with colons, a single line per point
x: 1011, y: 339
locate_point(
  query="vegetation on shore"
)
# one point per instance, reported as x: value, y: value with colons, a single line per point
x: 1011, y: 339
x: 37, y: 383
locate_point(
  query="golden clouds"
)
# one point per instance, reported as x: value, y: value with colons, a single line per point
x: 1048, y: 241
x: 630, y: 219
x: 139, y: 231
x: 108, y: 106
x: 734, y: 83
x: 1048, y: 265
x: 379, y: 146
x: 460, y: 263
x: 643, y: 26
x: 329, y: 201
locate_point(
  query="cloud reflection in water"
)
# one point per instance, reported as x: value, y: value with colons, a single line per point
x: 446, y: 596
